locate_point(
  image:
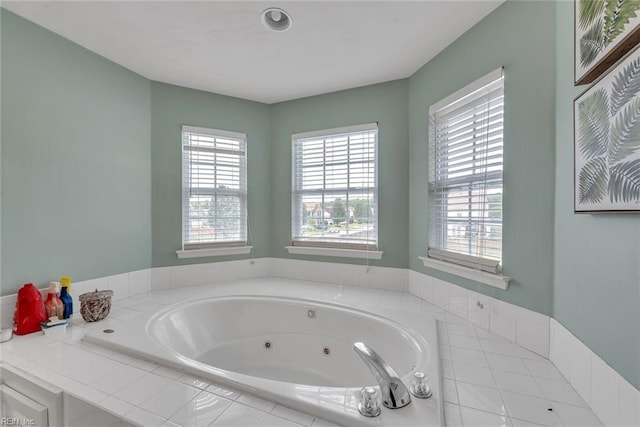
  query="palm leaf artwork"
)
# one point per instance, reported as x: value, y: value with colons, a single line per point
x: 608, y: 138
x: 593, y: 116
x: 589, y: 11
x: 625, y: 86
x: 625, y: 133
x: 591, y: 43
x: 593, y: 181
x: 624, y: 182
x: 600, y: 33
x: 617, y: 14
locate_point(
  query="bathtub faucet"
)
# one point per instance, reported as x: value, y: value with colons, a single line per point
x: 394, y: 393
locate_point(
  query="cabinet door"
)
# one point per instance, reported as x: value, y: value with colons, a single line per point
x: 23, y: 410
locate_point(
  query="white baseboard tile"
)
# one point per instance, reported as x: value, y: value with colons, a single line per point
x: 390, y: 279
x: 373, y: 277
x: 181, y: 276
x: 254, y: 268
x: 420, y: 285
x: 344, y: 275
x: 394, y: 279
x: 139, y: 282
x: 400, y: 278
x: 532, y: 331
x: 612, y: 398
x: 502, y: 320
x: 275, y: 267
x: 581, y: 375
x: 457, y: 298
x: 199, y: 274
x: 629, y: 404
x: 440, y: 293
x: 605, y: 393
x: 513, y: 323
x: 478, y: 309
x: 160, y: 278
x: 119, y: 284
x: 213, y: 272
x: 560, y: 348
x: 297, y: 270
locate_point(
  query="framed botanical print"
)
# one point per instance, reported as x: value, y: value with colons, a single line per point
x: 607, y: 141
x: 605, y: 30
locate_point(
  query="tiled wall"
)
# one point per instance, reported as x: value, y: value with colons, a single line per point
x: 516, y: 324
x: 395, y: 279
x: 612, y: 398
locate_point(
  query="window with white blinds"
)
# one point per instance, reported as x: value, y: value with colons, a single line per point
x: 214, y: 193
x: 335, y: 194
x: 465, y: 175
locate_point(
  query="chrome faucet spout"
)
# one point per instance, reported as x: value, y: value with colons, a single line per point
x: 394, y: 393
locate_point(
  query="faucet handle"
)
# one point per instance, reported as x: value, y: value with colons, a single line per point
x: 420, y: 386
x: 369, y: 404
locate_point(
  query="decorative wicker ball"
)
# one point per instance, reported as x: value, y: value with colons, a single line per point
x: 95, y: 306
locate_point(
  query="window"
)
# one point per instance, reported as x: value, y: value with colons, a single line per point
x: 334, y: 197
x: 465, y: 175
x: 214, y: 193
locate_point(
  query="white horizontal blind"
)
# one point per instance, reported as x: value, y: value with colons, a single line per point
x: 214, y: 171
x: 335, y: 195
x: 465, y: 176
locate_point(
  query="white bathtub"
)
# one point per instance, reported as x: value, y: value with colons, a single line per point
x: 296, y: 352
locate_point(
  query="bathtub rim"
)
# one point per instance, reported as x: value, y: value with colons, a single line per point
x: 424, y: 323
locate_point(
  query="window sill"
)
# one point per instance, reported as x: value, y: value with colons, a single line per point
x: 334, y: 252
x: 495, y: 280
x: 200, y: 253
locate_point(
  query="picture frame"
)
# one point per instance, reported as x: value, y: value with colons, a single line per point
x: 606, y: 120
x: 604, y: 31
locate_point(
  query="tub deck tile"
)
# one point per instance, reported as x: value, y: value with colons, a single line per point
x: 483, y: 384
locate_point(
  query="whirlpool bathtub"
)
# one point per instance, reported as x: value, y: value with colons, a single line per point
x: 296, y: 352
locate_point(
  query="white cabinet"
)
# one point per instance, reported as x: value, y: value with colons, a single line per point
x: 27, y: 400
x: 18, y: 409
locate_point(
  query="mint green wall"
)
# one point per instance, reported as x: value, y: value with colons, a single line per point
x: 383, y: 103
x: 520, y: 37
x: 76, y: 163
x: 173, y: 106
x: 597, y: 257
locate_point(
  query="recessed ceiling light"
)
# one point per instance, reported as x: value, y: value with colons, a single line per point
x: 276, y: 19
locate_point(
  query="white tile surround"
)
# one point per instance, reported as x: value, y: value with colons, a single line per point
x: 488, y: 379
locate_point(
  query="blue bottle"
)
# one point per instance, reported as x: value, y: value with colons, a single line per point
x: 67, y: 300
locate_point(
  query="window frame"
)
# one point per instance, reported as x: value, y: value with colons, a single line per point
x: 329, y: 247
x: 192, y: 249
x: 437, y: 255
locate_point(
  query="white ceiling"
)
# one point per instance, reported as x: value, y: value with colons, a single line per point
x: 222, y: 46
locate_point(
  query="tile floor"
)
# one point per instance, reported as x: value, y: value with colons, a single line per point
x: 487, y: 381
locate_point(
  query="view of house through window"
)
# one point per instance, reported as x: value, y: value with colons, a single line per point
x: 334, y: 194
x: 465, y: 175
x: 214, y: 192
